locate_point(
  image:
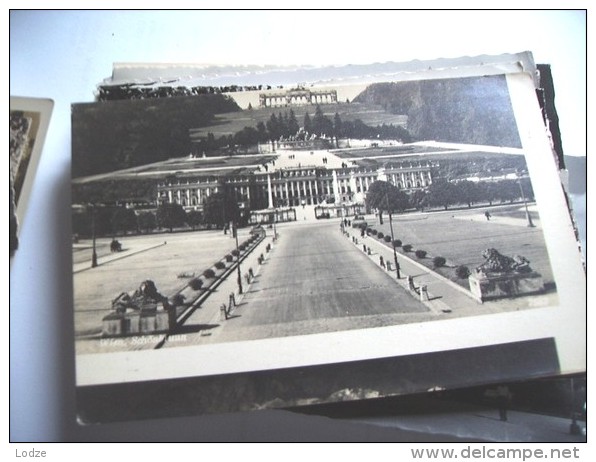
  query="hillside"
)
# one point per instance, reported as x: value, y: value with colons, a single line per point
x: 114, y: 135
x: 474, y: 110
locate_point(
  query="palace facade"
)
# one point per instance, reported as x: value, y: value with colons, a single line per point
x: 268, y: 187
x: 297, y: 97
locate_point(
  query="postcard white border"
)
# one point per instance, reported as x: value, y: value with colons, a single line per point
x: 564, y: 322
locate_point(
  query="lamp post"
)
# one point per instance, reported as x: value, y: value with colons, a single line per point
x: 239, y: 279
x: 392, y: 235
x: 393, y: 247
x: 521, y: 190
x: 93, y: 233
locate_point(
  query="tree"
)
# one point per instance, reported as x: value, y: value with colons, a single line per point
x: 194, y: 218
x: 146, y: 221
x: 293, y: 125
x: 123, y: 220
x: 170, y: 216
x: 246, y: 137
x: 442, y: 194
x: 527, y: 190
x: 337, y: 128
x: 221, y: 208
x: 273, y: 127
x: 321, y: 125
x: 508, y: 190
x: 307, y: 123
x: 262, y: 132
x: 419, y: 199
x: 489, y: 191
x: 384, y: 196
x: 468, y: 192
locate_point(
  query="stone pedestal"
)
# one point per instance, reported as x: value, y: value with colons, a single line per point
x: 113, y: 325
x: 136, y: 323
x: 504, y: 285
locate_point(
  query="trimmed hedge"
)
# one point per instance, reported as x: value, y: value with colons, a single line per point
x: 229, y: 257
x: 220, y: 265
x: 235, y: 252
x: 438, y: 262
x: 397, y: 243
x: 209, y: 273
x: 195, y: 284
x: 420, y: 253
x: 462, y: 272
x: 178, y: 299
x: 387, y: 238
x: 407, y: 248
x: 374, y: 232
x: 380, y: 235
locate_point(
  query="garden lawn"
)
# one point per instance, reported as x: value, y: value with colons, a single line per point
x: 460, y: 236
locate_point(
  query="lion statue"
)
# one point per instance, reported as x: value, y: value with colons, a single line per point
x: 146, y: 296
x: 495, y: 262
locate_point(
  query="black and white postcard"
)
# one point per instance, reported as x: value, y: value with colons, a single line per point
x: 29, y: 121
x: 245, y: 246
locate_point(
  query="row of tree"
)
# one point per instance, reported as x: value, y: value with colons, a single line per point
x: 219, y: 210
x: 286, y: 126
x: 387, y: 197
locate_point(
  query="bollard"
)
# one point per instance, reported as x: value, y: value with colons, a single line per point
x: 364, y: 248
x: 224, y: 312
x: 423, y: 294
x: 368, y: 251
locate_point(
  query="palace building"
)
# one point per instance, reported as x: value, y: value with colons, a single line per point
x: 293, y: 179
x: 297, y: 97
x: 328, y: 182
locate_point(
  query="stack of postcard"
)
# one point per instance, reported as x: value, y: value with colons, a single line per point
x: 28, y: 125
x: 251, y: 237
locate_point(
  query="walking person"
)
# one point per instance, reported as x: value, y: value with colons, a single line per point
x: 503, y: 401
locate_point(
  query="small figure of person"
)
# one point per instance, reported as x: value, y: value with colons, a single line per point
x: 503, y: 401
x: 115, y: 246
x: 382, y: 262
x: 487, y: 215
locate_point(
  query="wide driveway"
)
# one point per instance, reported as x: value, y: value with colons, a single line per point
x: 316, y: 280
